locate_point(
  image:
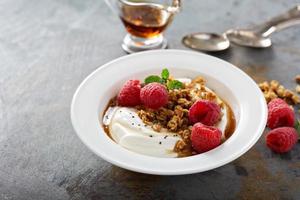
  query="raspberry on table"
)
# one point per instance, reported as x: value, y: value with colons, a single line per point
x: 277, y: 102
x: 205, y: 138
x: 282, y: 139
x: 129, y: 94
x: 280, y: 114
x: 204, y: 111
x: 154, y: 95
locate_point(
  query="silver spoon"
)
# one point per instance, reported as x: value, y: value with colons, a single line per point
x: 258, y: 36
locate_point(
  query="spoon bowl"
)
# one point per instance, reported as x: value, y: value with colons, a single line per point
x: 206, y: 41
x: 248, y: 38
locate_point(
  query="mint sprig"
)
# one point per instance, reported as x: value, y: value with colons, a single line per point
x: 164, y: 79
x: 153, y: 78
x: 165, y: 74
x: 174, y: 84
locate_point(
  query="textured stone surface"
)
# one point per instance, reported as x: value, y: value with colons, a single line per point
x: 47, y: 47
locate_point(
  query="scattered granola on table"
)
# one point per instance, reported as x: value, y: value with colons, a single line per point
x: 298, y: 89
x: 274, y: 89
x: 297, y: 78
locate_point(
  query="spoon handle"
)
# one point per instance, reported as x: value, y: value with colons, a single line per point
x: 285, y: 20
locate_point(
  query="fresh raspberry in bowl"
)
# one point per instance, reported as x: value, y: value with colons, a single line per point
x: 154, y: 95
x: 129, y: 94
x: 205, y: 138
x: 204, y: 111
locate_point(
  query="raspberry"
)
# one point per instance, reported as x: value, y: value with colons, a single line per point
x: 206, y: 112
x: 282, y: 139
x: 276, y: 102
x: 154, y: 95
x: 280, y: 114
x: 205, y: 138
x: 129, y: 95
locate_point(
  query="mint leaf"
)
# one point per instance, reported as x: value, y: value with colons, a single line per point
x: 174, y: 84
x: 153, y: 78
x: 165, y: 74
x: 297, y: 127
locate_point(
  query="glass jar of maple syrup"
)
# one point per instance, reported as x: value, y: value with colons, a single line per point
x: 145, y: 21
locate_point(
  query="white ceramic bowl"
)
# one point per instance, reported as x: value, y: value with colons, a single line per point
x: 229, y: 82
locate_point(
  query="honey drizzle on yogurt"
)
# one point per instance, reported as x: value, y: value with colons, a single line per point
x: 231, y: 123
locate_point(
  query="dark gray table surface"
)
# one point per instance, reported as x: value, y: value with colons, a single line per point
x: 47, y: 47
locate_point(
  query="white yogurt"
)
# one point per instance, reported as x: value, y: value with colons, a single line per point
x: 128, y: 130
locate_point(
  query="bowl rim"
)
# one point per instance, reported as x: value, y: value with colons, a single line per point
x: 260, y: 127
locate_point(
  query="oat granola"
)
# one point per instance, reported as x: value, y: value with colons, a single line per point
x: 274, y: 89
x: 297, y: 79
x: 174, y: 117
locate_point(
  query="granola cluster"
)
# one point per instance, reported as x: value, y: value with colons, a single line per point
x: 297, y: 79
x: 174, y: 116
x: 274, y: 89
